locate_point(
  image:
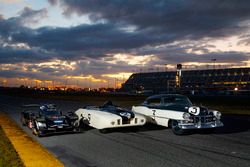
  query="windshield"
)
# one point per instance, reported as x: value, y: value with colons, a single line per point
x: 50, y: 112
x: 177, y: 100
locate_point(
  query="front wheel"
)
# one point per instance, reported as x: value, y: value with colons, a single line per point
x: 79, y: 126
x: 36, y: 130
x: 176, y: 128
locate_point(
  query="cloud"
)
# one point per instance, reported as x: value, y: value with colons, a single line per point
x: 18, y: 24
x: 10, y: 1
x: 30, y: 16
x: 245, y: 40
x: 26, y: 17
x: 186, y: 19
x: 123, y: 36
x: 72, y: 43
x: 17, y: 55
x: 126, y: 29
x: 53, y: 2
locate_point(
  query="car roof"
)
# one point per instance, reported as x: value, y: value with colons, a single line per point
x: 30, y: 105
x: 165, y: 95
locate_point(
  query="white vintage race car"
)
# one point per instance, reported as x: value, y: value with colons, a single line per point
x: 108, y: 116
x: 177, y: 111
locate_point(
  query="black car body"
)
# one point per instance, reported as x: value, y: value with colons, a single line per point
x: 48, y: 119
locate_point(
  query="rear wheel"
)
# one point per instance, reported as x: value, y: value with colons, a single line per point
x: 176, y: 128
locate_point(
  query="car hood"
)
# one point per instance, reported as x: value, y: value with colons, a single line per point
x: 55, y: 119
x: 124, y: 113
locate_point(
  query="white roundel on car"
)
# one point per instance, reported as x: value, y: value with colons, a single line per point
x: 194, y: 110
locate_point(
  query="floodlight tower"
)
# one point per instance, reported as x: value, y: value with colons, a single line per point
x: 178, y: 76
x: 166, y: 67
x: 213, y: 60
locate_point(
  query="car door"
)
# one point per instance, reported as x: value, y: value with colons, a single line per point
x: 153, y: 106
x: 160, y: 114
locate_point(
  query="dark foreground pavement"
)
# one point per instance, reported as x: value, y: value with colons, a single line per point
x: 149, y: 145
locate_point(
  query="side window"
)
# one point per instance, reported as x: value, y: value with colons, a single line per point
x: 154, y: 102
x: 168, y: 100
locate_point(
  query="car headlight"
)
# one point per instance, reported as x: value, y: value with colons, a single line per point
x: 186, y: 115
x: 41, y: 124
x: 217, y: 114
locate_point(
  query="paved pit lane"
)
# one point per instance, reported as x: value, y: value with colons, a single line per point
x: 147, y: 146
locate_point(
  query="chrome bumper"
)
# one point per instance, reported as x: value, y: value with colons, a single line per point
x: 199, y: 125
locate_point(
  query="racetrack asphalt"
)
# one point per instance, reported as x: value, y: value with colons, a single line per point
x: 146, y: 146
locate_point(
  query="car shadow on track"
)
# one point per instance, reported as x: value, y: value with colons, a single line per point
x: 233, y: 123
x: 135, y: 129
x: 82, y: 130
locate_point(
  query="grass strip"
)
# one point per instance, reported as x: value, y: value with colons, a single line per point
x: 8, y: 155
x: 31, y: 152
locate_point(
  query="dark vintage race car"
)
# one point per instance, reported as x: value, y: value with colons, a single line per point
x: 47, y: 119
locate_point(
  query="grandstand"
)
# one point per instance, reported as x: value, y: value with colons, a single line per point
x: 213, y: 81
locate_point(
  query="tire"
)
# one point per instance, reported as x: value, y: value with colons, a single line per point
x: 176, y: 129
x: 78, y: 126
x: 36, y: 130
x: 170, y: 123
x: 81, y: 126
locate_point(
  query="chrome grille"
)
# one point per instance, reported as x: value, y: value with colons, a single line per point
x: 204, y: 119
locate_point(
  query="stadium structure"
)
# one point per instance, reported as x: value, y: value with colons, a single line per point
x: 227, y: 81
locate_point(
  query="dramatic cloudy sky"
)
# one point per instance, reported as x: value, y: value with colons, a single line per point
x: 92, y: 42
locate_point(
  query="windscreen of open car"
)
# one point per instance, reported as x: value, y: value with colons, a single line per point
x: 51, y: 112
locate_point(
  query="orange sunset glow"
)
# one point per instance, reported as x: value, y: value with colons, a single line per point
x: 61, y: 44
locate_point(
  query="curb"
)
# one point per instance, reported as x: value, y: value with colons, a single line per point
x: 30, y: 152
